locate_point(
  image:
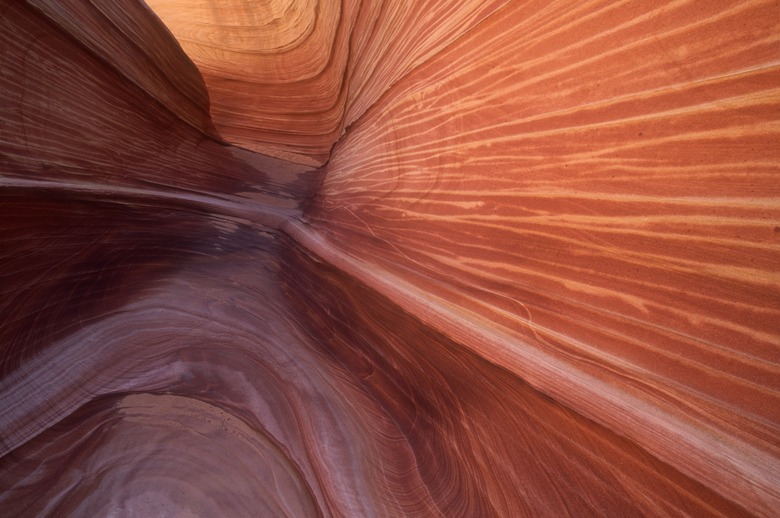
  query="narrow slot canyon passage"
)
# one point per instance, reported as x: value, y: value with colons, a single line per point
x: 360, y: 258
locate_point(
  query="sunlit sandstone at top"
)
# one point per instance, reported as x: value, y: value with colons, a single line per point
x: 374, y: 258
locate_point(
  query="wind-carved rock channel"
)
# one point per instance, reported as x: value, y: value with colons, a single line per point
x: 379, y: 258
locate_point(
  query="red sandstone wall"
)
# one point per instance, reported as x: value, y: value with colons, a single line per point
x: 590, y: 195
x: 539, y: 276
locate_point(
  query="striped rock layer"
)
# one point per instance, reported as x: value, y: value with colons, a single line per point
x: 320, y: 258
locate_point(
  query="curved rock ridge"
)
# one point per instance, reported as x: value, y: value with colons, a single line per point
x: 319, y: 258
x: 285, y: 78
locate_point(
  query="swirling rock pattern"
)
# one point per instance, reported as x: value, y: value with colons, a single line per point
x: 301, y: 258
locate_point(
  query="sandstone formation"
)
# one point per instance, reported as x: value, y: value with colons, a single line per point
x: 374, y: 258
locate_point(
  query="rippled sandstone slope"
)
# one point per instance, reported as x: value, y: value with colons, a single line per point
x: 301, y: 258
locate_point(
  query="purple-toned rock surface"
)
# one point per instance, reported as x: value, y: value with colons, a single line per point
x: 372, y: 258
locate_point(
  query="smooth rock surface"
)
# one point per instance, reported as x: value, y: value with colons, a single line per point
x: 318, y: 258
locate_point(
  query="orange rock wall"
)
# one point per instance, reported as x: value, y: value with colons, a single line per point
x: 286, y: 78
x: 591, y: 196
x: 534, y: 274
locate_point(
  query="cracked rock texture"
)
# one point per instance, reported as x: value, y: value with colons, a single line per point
x: 389, y: 258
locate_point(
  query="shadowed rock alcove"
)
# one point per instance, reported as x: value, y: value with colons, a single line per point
x: 389, y: 258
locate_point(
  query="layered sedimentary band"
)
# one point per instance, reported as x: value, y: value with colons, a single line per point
x: 301, y: 258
